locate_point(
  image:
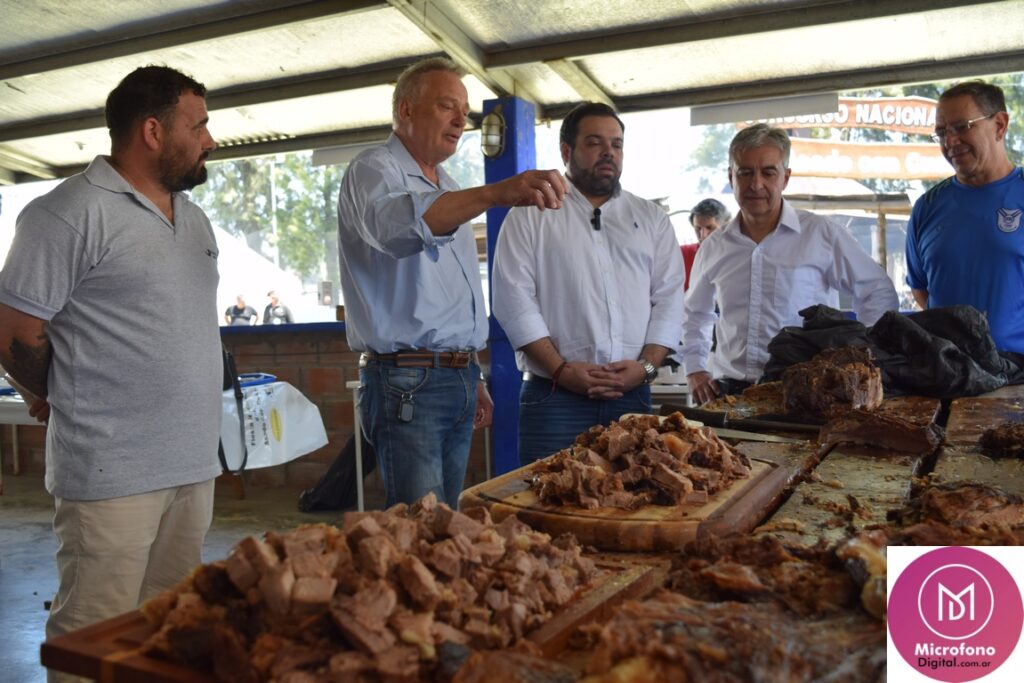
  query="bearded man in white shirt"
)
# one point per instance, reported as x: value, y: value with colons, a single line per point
x: 764, y: 267
x: 590, y: 296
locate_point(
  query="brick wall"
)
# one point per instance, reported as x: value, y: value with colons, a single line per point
x: 318, y: 362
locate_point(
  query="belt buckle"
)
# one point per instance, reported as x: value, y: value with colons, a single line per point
x: 460, y: 359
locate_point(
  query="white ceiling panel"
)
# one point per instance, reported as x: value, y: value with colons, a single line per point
x: 298, y: 74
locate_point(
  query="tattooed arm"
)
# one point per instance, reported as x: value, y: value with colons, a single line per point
x: 25, y: 349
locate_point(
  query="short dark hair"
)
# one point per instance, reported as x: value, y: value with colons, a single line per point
x: 988, y: 97
x: 711, y: 208
x: 571, y: 122
x: 147, y: 91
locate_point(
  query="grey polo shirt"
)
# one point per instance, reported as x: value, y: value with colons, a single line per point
x: 135, y: 382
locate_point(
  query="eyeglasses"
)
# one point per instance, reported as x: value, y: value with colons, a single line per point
x: 957, y: 129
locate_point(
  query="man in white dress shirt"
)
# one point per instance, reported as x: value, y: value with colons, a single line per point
x: 764, y: 267
x: 590, y: 296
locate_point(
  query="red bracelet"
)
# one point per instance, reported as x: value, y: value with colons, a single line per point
x: 558, y: 372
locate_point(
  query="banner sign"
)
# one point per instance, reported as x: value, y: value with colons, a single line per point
x: 867, y: 160
x: 911, y: 115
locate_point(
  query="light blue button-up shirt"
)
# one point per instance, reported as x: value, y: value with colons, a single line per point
x: 404, y: 287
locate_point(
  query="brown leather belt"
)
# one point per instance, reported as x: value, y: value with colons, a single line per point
x: 420, y: 359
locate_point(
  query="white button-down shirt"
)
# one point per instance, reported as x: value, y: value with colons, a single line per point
x: 761, y: 288
x: 601, y: 295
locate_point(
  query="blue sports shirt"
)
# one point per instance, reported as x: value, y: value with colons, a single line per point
x: 965, y: 245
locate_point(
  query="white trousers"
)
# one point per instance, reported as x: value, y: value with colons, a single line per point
x: 115, y: 554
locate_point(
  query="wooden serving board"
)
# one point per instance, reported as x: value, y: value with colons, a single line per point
x: 970, y: 417
x: 108, y: 651
x: 652, y: 528
x: 968, y: 463
x: 821, y: 507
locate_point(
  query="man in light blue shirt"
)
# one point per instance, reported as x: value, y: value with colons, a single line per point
x: 764, y: 267
x: 411, y: 283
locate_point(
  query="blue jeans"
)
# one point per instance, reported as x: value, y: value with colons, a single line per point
x: 426, y: 447
x: 551, y: 420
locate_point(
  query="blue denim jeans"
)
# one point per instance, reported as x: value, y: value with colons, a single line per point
x: 551, y: 420
x: 422, y: 446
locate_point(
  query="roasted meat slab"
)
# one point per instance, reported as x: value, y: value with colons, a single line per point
x: 833, y: 382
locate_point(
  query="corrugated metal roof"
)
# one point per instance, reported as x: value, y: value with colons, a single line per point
x: 298, y: 75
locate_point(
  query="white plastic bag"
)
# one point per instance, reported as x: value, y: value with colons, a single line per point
x: 280, y: 425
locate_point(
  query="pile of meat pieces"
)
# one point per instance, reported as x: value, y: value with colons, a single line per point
x: 963, y: 506
x: 639, y: 460
x: 833, y: 382
x: 402, y: 595
x: 756, y: 608
x: 672, y: 637
x: 1005, y: 440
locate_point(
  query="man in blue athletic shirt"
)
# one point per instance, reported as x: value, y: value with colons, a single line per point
x: 965, y: 244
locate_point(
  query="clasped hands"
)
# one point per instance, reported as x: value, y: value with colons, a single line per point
x: 606, y: 382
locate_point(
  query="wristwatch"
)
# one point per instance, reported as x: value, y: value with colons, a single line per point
x: 650, y: 372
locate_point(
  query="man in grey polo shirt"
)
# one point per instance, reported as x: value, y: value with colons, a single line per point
x: 108, y: 314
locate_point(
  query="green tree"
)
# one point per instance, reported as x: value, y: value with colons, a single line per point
x: 284, y: 207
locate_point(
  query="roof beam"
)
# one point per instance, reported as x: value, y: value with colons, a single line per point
x: 19, y: 163
x: 721, y: 26
x: 113, y: 44
x: 580, y: 81
x: 240, y: 96
x: 918, y: 72
x: 452, y: 38
x: 302, y: 143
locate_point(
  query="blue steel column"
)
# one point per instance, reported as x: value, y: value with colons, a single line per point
x: 520, y: 155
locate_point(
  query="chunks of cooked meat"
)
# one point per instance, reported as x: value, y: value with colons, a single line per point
x: 639, y: 460
x: 961, y: 505
x: 1005, y: 440
x: 672, y: 637
x: 833, y: 382
x: 384, y: 597
x: 884, y: 430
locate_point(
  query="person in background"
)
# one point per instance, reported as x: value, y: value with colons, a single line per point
x: 276, y: 313
x: 706, y: 217
x: 964, y: 239
x: 411, y: 285
x: 764, y: 267
x: 241, y: 314
x: 591, y: 296
x: 108, y: 313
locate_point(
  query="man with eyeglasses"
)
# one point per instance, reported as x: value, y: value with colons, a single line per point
x: 964, y: 240
x: 591, y: 296
x: 764, y: 267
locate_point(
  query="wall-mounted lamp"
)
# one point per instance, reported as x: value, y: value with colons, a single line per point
x: 492, y: 133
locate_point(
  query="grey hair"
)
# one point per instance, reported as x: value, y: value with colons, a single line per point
x: 712, y: 208
x: 408, y: 86
x: 758, y: 135
x: 988, y: 97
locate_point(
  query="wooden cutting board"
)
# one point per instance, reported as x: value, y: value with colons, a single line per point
x: 970, y: 417
x: 968, y: 463
x: 108, y: 651
x: 852, y: 488
x: 652, y: 528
